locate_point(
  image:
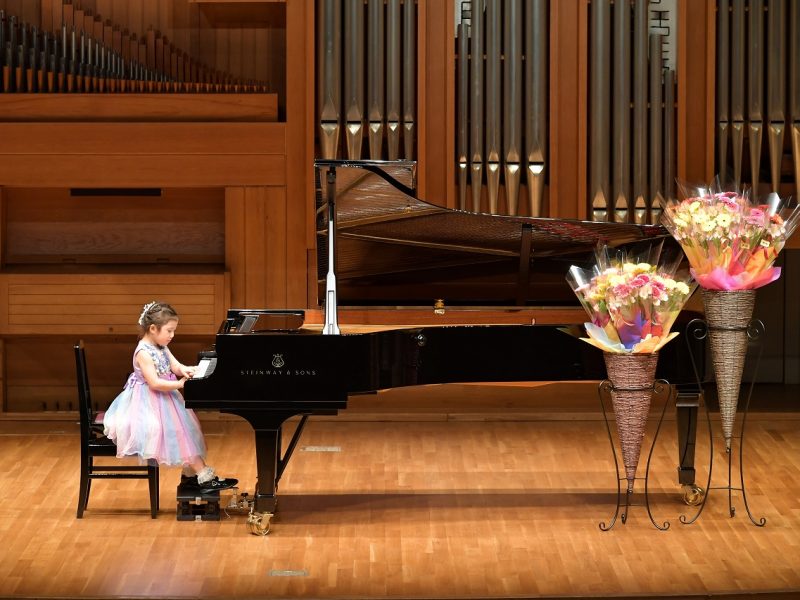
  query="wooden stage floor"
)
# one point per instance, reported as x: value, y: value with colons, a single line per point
x: 422, y: 504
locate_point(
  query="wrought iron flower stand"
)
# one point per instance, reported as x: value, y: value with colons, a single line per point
x: 658, y: 388
x: 699, y: 329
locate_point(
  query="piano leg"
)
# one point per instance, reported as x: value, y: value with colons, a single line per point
x: 686, y: 420
x: 269, y: 463
x: 268, y: 442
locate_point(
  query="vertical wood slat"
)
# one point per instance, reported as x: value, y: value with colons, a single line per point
x: 235, y: 255
x: 3, y: 379
x: 568, y: 188
x: 299, y: 112
x: 255, y: 247
x: 104, y: 8
x: 58, y: 15
x: 436, y: 101
x: 276, y: 240
x: 696, y: 56
x: 47, y: 15
x: 3, y: 228
x: 32, y: 13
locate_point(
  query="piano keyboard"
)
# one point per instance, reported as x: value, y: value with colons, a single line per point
x: 204, y: 368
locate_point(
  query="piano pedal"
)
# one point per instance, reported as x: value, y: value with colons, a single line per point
x: 195, y: 504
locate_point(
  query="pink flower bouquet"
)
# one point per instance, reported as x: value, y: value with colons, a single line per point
x: 632, y: 300
x: 731, y: 242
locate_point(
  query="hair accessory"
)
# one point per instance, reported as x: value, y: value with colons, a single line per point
x: 146, y: 308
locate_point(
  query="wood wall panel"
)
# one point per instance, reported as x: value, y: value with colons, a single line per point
x: 235, y: 256
x: 91, y: 108
x: 48, y: 225
x: 155, y: 170
x: 103, y: 304
x: 436, y: 102
x: 696, y: 89
x: 35, y: 385
x: 142, y: 139
x: 276, y: 265
x: 300, y: 209
x: 568, y: 72
x: 256, y: 246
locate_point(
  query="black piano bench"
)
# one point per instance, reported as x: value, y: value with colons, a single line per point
x: 196, y: 504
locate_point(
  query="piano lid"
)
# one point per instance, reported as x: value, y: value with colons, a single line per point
x: 394, y: 248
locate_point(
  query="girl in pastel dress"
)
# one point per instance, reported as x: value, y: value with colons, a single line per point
x: 149, y: 418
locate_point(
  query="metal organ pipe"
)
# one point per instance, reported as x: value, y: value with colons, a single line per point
x: 476, y: 108
x: 354, y: 76
x: 375, y: 78
x: 639, y: 126
x: 599, y: 109
x: 622, y: 102
x: 755, y: 86
x: 536, y: 88
x: 656, y: 148
x: 776, y: 87
x: 409, y: 77
x: 512, y: 101
x: 329, y: 76
x: 493, y: 101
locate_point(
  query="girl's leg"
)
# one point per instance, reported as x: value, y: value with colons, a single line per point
x: 197, y: 465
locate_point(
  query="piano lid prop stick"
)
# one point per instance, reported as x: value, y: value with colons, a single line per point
x: 331, y: 326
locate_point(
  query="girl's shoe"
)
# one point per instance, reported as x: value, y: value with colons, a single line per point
x: 218, y: 484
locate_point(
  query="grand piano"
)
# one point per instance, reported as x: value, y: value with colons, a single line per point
x: 415, y: 294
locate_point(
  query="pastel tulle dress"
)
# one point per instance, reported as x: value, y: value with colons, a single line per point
x: 152, y: 424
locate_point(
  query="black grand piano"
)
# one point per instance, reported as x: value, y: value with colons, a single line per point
x: 496, y: 308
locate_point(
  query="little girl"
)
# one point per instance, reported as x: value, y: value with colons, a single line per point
x: 149, y: 418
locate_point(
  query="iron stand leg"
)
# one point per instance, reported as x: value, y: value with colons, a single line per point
x: 698, y: 328
x: 604, y: 391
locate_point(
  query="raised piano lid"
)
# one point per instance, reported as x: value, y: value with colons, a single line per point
x: 394, y: 249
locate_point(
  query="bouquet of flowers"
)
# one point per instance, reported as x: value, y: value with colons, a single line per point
x: 631, y: 298
x: 730, y: 241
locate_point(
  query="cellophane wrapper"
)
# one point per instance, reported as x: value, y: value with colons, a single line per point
x: 632, y: 296
x: 730, y: 240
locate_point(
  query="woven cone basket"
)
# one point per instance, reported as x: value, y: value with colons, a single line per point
x: 632, y: 376
x: 728, y: 314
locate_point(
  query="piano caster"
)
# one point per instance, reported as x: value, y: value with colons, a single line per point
x: 259, y: 523
x: 693, y: 494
